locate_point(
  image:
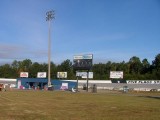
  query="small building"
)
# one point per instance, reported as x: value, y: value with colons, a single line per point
x: 31, y: 83
x: 41, y: 83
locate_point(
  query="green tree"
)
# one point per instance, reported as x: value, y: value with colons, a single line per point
x: 145, y: 66
x: 156, y: 62
x: 6, y: 71
x: 34, y: 69
x: 156, y: 66
x: 108, y: 67
x: 53, y: 71
x: 66, y: 66
x: 99, y: 71
x: 135, y: 65
x: 26, y: 64
x: 16, y: 67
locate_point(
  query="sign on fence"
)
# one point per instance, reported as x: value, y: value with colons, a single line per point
x: 116, y: 74
x: 24, y: 74
x: 84, y: 74
x: 41, y: 75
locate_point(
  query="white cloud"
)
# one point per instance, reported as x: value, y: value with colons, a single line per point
x: 12, y: 52
x: 8, y: 51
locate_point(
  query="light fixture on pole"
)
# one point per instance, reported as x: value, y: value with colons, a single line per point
x: 49, y: 17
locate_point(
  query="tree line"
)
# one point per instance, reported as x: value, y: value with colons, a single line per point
x: 134, y: 69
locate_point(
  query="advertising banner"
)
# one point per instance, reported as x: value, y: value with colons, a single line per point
x: 19, y: 84
x: 41, y: 75
x: 84, y: 74
x: 61, y: 74
x: 116, y: 74
x: 24, y: 74
x: 78, y: 57
x: 64, y: 86
x: 143, y: 81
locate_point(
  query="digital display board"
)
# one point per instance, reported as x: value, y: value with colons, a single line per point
x: 82, y: 62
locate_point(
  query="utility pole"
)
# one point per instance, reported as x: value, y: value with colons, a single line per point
x: 49, y: 17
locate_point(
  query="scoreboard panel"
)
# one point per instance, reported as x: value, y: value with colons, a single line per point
x: 82, y: 62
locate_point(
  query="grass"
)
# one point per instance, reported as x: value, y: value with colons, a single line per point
x: 60, y: 105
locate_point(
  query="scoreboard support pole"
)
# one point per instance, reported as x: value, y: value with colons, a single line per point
x: 83, y: 62
x: 87, y: 79
x: 77, y: 84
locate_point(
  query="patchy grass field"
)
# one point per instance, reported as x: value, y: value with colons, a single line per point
x: 58, y: 105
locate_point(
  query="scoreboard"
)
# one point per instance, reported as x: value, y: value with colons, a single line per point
x: 82, y: 62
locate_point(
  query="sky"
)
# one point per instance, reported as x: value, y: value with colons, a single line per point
x: 111, y: 30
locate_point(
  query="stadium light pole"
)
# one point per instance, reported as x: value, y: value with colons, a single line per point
x: 49, y: 17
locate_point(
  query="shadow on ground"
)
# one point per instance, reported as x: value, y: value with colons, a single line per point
x: 154, y: 97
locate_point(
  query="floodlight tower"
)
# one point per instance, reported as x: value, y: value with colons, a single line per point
x: 49, y: 17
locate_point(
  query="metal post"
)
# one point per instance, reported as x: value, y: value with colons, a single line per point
x: 77, y: 75
x: 77, y: 83
x: 49, y: 17
x: 87, y: 79
x: 49, y: 54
